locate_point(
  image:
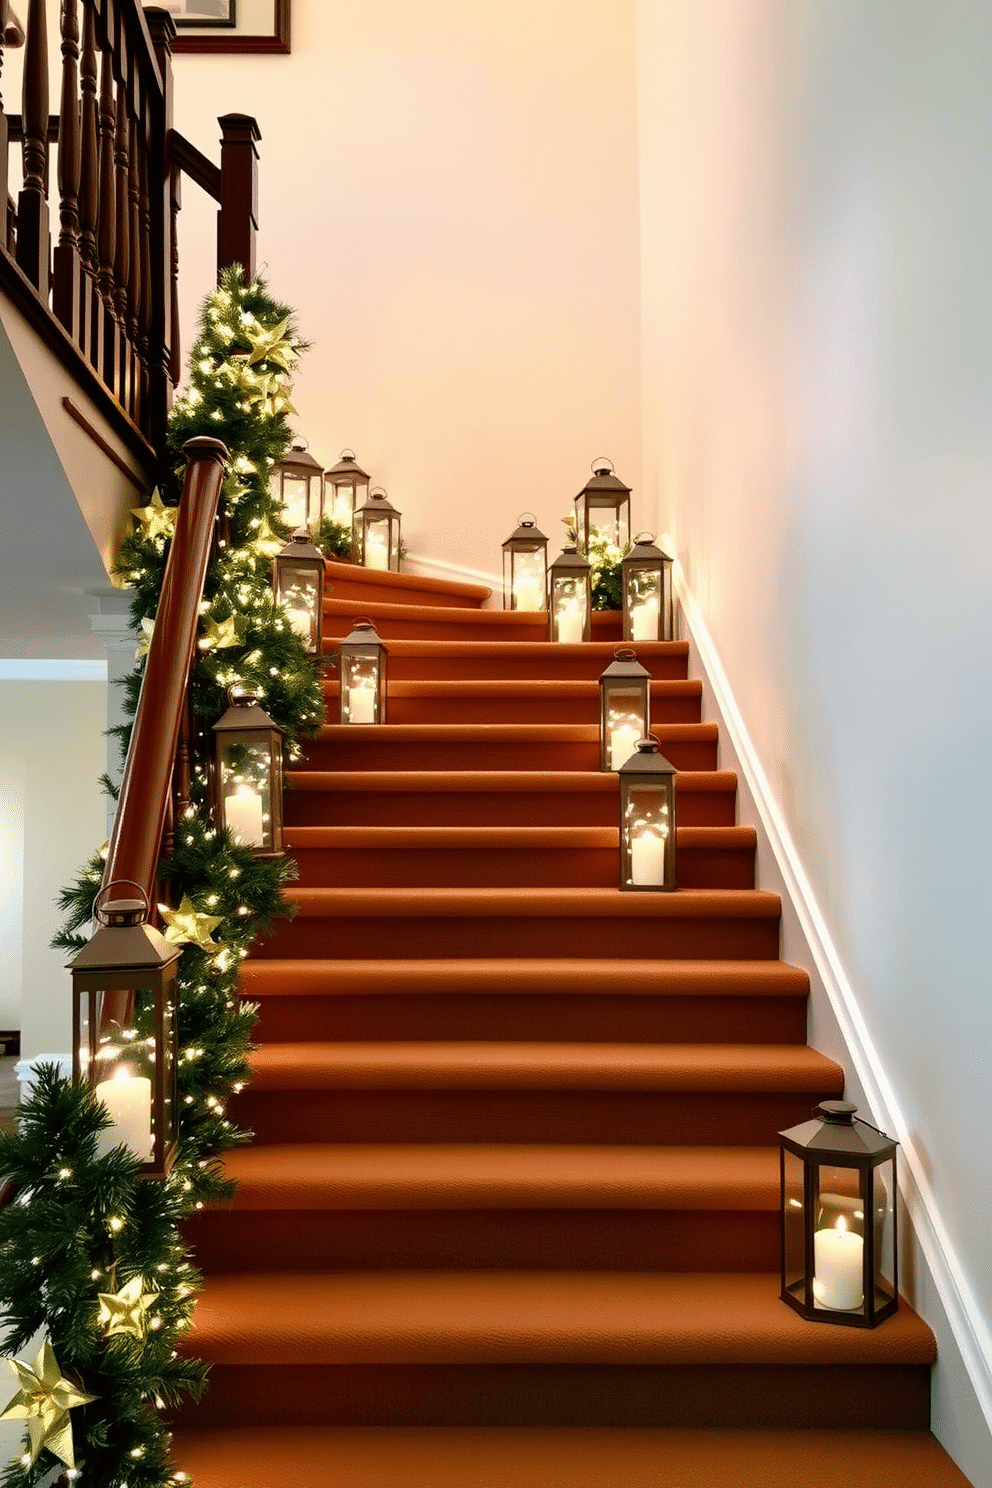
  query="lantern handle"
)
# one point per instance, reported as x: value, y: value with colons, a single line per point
x: 347, y: 453
x: 363, y: 620
x: 238, y: 696
x: 600, y: 461
x: 377, y: 491
x: 96, y: 910
x: 624, y: 653
x: 644, y: 536
x: 523, y: 517
x: 298, y: 442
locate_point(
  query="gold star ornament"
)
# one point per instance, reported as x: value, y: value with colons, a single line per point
x: 156, y: 519
x: 265, y: 541
x: 219, y: 635
x: 126, y: 1311
x: 270, y: 344
x: 44, y: 1402
x: 186, y: 926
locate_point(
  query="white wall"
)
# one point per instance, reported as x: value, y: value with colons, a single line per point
x: 449, y: 196
x: 52, y: 752
x: 817, y: 330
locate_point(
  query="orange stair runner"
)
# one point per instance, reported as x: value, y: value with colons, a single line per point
x: 511, y: 1216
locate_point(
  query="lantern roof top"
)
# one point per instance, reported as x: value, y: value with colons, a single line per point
x: 571, y: 558
x: 645, y: 549
x: 245, y: 715
x: 836, y: 1131
x: 526, y: 531
x: 348, y: 465
x: 300, y: 546
x: 300, y: 458
x: 377, y: 501
x: 625, y: 665
x: 603, y: 481
x: 364, y: 633
x: 125, y: 945
x: 648, y: 760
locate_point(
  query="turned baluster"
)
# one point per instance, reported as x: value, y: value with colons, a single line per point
x: 66, y: 274
x: 122, y: 241
x: 89, y: 193
x: 145, y: 308
x: 163, y: 349
x: 33, y: 237
x: 4, y: 137
x: 107, y: 227
x: 134, y: 278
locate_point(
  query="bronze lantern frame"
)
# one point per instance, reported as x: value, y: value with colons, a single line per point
x: 525, y: 565
x: 604, y: 492
x: 346, y: 487
x: 836, y: 1267
x: 297, y: 485
x: 248, y: 755
x: 126, y: 971
x: 362, y: 659
x: 648, y: 830
x: 298, y: 585
x: 377, y: 512
x: 624, y: 704
x: 569, y: 590
x: 646, y: 592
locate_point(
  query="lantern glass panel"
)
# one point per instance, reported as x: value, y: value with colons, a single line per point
x: 624, y: 723
x: 569, y: 598
x: 794, y: 1223
x: 883, y: 1208
x: 525, y: 577
x: 294, y: 497
x: 360, y: 689
x: 377, y: 542
x: 838, y: 1239
x: 648, y: 603
x: 246, y: 771
x: 606, y: 518
x: 298, y: 589
x: 646, y: 829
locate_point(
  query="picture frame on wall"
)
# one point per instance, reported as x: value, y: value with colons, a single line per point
x: 228, y: 25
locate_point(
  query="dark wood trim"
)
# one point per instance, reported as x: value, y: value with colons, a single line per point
x: 279, y: 42
x: 19, y: 289
x: 77, y: 414
x: 193, y: 163
x: 10, y: 1042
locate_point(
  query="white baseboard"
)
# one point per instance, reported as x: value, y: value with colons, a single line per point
x: 838, y: 1029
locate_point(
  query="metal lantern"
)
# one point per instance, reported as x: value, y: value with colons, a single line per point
x: 297, y: 485
x: 125, y: 1029
x: 624, y: 708
x: 298, y: 585
x: 839, y: 1260
x: 646, y: 585
x: 346, y: 486
x: 570, y: 602
x: 375, y: 538
x: 647, y: 819
x: 248, y: 776
x: 363, y: 675
x: 602, y: 508
x: 525, y: 567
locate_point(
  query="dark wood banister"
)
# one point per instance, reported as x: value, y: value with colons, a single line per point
x: 143, y: 804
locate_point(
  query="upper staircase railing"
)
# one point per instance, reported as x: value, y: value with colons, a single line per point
x: 104, y: 294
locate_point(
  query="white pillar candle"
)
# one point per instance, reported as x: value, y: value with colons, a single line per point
x: 569, y: 623
x: 527, y: 593
x: 294, y: 503
x: 128, y: 1098
x: 623, y: 743
x: 837, y: 1261
x: 243, y: 814
x: 647, y: 858
x: 300, y: 621
x: 361, y: 702
x: 644, y: 620
x: 376, y: 549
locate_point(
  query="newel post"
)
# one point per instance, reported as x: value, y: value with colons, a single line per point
x: 33, y: 239
x: 237, y: 220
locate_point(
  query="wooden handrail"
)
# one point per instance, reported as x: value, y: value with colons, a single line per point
x: 136, y: 839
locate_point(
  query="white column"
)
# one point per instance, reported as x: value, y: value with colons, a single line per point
x: 112, y: 624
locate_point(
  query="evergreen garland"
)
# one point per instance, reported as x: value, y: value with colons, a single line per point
x: 605, y: 559
x: 84, y: 1226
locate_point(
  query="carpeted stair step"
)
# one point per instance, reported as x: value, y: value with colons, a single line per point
x: 350, y: 583
x: 532, y: 660
x: 620, y: 1094
x: 491, y: 747
x: 361, y: 1207
x: 430, y: 622
x: 546, y: 1348
x: 488, y: 857
x: 443, y: 796
x: 711, y: 923
x: 673, y: 1002
x: 315, y: 1457
x: 480, y: 700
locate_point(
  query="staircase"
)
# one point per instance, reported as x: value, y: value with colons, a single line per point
x: 511, y: 1217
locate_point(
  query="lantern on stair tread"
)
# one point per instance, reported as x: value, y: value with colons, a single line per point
x: 646, y: 590
x: 125, y: 1028
x: 647, y: 819
x: 624, y: 708
x: 298, y: 585
x: 362, y: 661
x: 346, y: 487
x: 570, y: 597
x: 376, y: 533
x: 296, y: 484
x: 839, y: 1244
x: 525, y: 567
x: 248, y: 775
x: 602, y: 508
